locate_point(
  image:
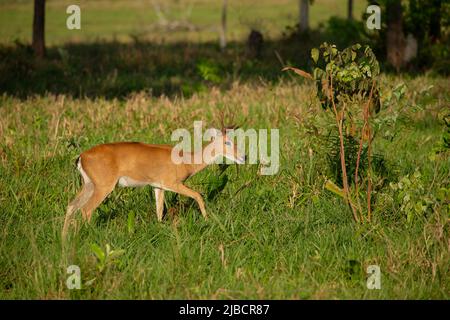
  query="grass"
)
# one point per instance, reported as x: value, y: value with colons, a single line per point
x: 278, y: 237
x: 269, y: 237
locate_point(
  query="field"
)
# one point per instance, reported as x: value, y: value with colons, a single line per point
x: 124, y: 20
x: 283, y: 236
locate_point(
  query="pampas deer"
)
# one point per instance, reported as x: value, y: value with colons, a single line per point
x: 133, y: 164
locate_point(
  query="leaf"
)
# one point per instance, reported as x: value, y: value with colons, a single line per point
x: 89, y: 282
x: 315, y: 54
x: 116, y: 253
x: 356, y: 46
x: 98, y: 252
x: 331, y: 186
x: 319, y: 74
x: 302, y: 73
x: 130, y: 221
x: 334, y: 51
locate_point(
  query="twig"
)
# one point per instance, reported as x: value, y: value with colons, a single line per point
x: 339, y: 122
x: 366, y: 125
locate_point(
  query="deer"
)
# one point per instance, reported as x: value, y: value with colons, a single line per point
x: 137, y: 164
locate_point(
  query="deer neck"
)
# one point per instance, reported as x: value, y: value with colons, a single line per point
x: 206, y: 160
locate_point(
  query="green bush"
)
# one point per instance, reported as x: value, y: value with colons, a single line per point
x: 411, y: 196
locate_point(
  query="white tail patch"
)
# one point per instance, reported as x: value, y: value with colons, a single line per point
x: 86, y: 178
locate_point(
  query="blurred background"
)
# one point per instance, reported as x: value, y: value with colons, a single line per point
x: 165, y: 20
x: 179, y: 46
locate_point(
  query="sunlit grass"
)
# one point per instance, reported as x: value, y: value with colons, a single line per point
x: 268, y: 237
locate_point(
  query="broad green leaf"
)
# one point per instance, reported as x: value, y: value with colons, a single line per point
x: 319, y: 74
x: 331, y: 186
x: 130, y: 221
x: 98, y: 252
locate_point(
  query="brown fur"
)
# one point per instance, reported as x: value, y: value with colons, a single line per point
x: 150, y: 164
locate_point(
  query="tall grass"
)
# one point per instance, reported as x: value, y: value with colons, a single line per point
x: 281, y: 236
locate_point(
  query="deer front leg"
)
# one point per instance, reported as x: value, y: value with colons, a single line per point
x: 159, y: 195
x: 182, y: 189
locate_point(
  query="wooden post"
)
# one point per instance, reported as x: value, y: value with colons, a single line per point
x: 350, y: 10
x: 38, y: 43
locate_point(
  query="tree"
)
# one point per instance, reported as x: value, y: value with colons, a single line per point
x: 38, y: 43
x: 304, y: 15
x: 424, y: 19
x: 350, y: 10
x: 395, y: 38
x: 435, y: 20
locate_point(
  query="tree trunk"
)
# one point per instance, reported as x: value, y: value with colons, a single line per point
x: 395, y: 42
x: 304, y: 15
x: 39, y: 28
x: 435, y: 21
x: 350, y: 10
x: 223, y: 27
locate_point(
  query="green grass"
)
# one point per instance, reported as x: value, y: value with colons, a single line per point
x: 268, y: 237
x: 282, y: 236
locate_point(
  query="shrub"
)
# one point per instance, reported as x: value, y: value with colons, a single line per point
x: 346, y: 85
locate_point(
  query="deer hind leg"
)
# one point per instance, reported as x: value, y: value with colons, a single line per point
x: 99, y: 194
x: 159, y: 195
x: 182, y: 189
x: 80, y: 200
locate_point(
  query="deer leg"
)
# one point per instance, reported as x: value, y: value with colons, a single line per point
x: 80, y: 200
x: 182, y: 189
x: 159, y: 195
x: 100, y: 193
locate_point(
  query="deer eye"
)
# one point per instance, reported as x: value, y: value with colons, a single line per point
x: 228, y: 143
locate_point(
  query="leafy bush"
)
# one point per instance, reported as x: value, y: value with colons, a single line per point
x: 446, y: 137
x: 346, y: 84
x: 351, y: 147
x: 352, y: 71
x: 440, y: 55
x: 209, y: 71
x: 411, y: 195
